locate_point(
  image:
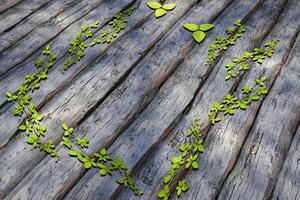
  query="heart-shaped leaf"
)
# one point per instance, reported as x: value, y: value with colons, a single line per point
x: 160, y: 12
x: 169, y: 6
x: 191, y: 27
x: 206, y: 27
x: 198, y: 36
x: 154, y: 5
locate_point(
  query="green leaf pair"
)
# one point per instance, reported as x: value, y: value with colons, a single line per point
x: 198, y: 30
x: 161, y: 10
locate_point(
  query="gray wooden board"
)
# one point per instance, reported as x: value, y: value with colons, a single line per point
x: 32, y: 42
x: 25, y: 27
x: 147, y: 131
x: 128, y: 51
x: 184, y: 8
x: 22, y: 170
x: 56, y: 80
x: 255, y: 173
x: 7, y: 4
x: 19, y: 13
x: 157, y: 164
x: 288, y: 183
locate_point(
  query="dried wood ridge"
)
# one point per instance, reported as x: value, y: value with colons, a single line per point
x: 136, y: 95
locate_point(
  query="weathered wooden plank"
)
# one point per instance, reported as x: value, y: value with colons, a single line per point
x: 7, y: 4
x: 257, y: 168
x: 8, y: 180
x: 288, y: 185
x: 21, y: 12
x: 83, y: 95
x: 151, y: 62
x: 32, y: 42
x: 13, y: 16
x: 156, y: 166
x: 152, y: 125
x: 56, y: 80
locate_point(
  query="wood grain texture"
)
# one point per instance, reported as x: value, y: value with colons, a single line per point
x: 91, y: 87
x: 56, y: 80
x: 32, y: 42
x: 288, y: 184
x: 25, y: 27
x: 184, y: 83
x: 7, y: 4
x: 10, y: 175
x: 255, y: 173
x: 157, y: 166
x: 153, y: 124
x: 15, y: 15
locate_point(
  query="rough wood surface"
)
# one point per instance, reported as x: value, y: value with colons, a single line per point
x: 288, y: 184
x: 255, y: 173
x: 203, y: 101
x: 138, y: 94
x: 12, y: 56
x: 19, y: 13
x: 26, y: 27
x: 56, y: 80
x: 154, y: 122
x: 91, y: 89
x: 6, y: 4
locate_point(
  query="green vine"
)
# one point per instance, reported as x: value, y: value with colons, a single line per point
x: 258, y: 55
x: 222, y: 43
x: 101, y: 160
x: 230, y: 104
x: 32, y: 126
x: 193, y: 145
x: 85, y: 37
x: 190, y: 151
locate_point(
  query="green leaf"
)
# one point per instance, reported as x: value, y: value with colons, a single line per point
x: 154, y: 5
x: 191, y: 27
x: 169, y: 6
x: 195, y: 165
x: 73, y: 153
x: 160, y: 12
x: 87, y: 165
x: 167, y: 179
x: 30, y: 140
x: 206, y: 27
x: 22, y: 127
x: 64, y: 126
x: 198, y: 36
x: 102, y: 172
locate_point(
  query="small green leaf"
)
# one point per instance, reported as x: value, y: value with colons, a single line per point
x: 169, y: 6
x: 73, y: 153
x: 206, y: 27
x: 154, y: 5
x: 198, y: 36
x: 191, y: 27
x: 167, y: 179
x: 87, y: 165
x: 160, y: 12
x: 195, y: 165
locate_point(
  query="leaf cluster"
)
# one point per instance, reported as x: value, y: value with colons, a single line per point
x: 230, y: 104
x: 32, y: 126
x: 86, y: 37
x: 100, y: 160
x: 258, y: 55
x: 188, y: 159
x: 161, y: 10
x: 198, y: 30
x: 223, y: 43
